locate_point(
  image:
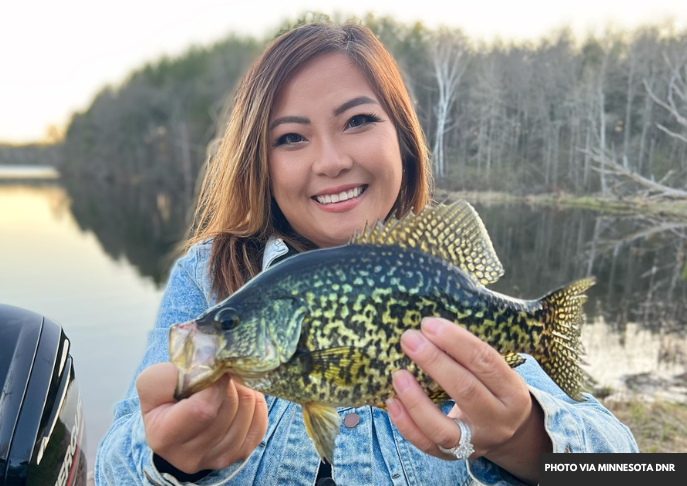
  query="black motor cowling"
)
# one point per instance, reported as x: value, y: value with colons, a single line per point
x: 42, y: 439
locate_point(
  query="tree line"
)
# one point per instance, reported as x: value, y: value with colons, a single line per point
x: 521, y: 117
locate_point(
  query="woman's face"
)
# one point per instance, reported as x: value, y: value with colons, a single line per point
x: 334, y: 157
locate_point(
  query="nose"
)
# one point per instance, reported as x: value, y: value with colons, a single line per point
x: 332, y: 159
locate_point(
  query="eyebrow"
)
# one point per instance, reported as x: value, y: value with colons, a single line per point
x: 360, y: 100
x: 289, y: 119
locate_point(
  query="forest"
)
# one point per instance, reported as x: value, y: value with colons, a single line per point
x: 561, y: 114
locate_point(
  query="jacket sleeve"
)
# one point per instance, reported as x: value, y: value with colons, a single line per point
x: 123, y: 457
x: 572, y: 426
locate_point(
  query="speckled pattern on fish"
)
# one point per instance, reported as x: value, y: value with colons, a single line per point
x: 323, y: 328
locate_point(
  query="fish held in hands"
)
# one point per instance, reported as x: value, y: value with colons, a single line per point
x: 323, y: 328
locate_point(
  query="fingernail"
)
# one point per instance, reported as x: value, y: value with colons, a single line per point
x: 431, y: 325
x: 413, y: 340
x: 392, y: 408
x: 401, y: 382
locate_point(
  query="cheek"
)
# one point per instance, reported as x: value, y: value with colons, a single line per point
x: 392, y: 167
x: 283, y: 179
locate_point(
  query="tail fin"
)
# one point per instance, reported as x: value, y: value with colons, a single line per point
x: 562, y: 351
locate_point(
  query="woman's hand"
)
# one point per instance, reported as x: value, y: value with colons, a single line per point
x: 493, y: 400
x: 211, y: 429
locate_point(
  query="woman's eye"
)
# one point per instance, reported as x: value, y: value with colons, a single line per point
x: 360, y: 120
x: 288, y: 139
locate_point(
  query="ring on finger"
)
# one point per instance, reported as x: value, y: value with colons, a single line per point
x: 464, y: 448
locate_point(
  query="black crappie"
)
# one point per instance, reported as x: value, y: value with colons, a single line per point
x: 323, y: 328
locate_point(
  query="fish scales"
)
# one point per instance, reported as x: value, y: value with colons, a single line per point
x: 323, y: 328
x: 388, y: 303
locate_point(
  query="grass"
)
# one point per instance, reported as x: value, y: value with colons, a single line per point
x: 657, y: 426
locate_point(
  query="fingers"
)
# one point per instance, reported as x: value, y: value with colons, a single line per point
x: 246, y: 432
x: 257, y: 427
x: 214, y: 406
x: 453, y: 350
x: 453, y: 377
x: 418, y: 419
x: 490, y: 397
x: 211, y: 429
x: 241, y: 417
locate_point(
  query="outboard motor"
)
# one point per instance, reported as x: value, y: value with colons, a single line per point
x: 42, y: 440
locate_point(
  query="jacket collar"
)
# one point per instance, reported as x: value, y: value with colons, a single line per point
x: 274, y: 249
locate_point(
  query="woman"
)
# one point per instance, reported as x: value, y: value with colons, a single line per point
x: 322, y: 139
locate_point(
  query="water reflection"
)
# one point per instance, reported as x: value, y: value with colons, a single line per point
x: 142, y: 222
x: 51, y: 266
x: 639, y: 262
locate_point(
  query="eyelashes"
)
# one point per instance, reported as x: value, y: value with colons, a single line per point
x: 362, y: 119
x: 288, y: 139
x: 355, y: 121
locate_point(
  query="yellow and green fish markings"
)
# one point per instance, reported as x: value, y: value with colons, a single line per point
x: 323, y: 328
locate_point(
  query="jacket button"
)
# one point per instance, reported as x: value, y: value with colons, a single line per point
x: 351, y: 420
x: 326, y: 482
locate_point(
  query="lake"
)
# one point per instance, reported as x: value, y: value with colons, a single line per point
x: 94, y: 257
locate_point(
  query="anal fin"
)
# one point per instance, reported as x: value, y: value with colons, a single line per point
x: 322, y: 424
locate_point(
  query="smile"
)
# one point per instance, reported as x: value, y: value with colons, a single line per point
x: 342, y: 196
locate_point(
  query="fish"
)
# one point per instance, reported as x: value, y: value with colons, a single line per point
x: 322, y: 328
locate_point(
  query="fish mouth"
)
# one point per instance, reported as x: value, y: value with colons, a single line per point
x: 201, y: 359
x: 193, y: 353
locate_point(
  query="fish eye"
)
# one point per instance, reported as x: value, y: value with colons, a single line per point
x: 227, y: 318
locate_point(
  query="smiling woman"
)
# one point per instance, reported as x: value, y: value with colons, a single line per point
x: 318, y: 98
x: 323, y: 140
x: 334, y: 160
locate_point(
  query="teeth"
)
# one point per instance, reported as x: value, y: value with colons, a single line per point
x: 343, y: 196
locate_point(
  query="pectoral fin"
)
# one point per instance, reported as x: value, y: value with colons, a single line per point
x: 342, y: 365
x: 322, y: 424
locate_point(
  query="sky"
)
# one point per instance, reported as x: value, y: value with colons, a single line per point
x: 56, y: 56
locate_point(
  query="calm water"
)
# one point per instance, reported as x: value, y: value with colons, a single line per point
x: 95, y: 259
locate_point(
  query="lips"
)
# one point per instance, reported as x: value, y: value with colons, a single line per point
x: 340, y: 196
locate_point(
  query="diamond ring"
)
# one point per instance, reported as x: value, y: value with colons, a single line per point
x: 464, y: 447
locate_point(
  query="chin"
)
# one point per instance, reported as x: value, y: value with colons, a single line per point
x: 336, y: 238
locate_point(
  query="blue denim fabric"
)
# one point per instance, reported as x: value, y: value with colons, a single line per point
x: 373, y: 452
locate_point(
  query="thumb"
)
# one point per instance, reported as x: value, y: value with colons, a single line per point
x: 156, y: 385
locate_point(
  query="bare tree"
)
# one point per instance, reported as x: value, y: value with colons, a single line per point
x: 651, y: 189
x: 676, y: 101
x: 448, y: 52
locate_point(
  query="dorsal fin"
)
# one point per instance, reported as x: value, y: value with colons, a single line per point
x: 454, y: 233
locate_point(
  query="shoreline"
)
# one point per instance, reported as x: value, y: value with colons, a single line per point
x: 632, y: 206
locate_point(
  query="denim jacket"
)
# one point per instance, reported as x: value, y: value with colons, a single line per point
x: 372, y: 452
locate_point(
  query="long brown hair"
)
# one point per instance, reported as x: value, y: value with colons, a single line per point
x: 235, y: 205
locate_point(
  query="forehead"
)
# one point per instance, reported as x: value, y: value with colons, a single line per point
x: 328, y: 78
